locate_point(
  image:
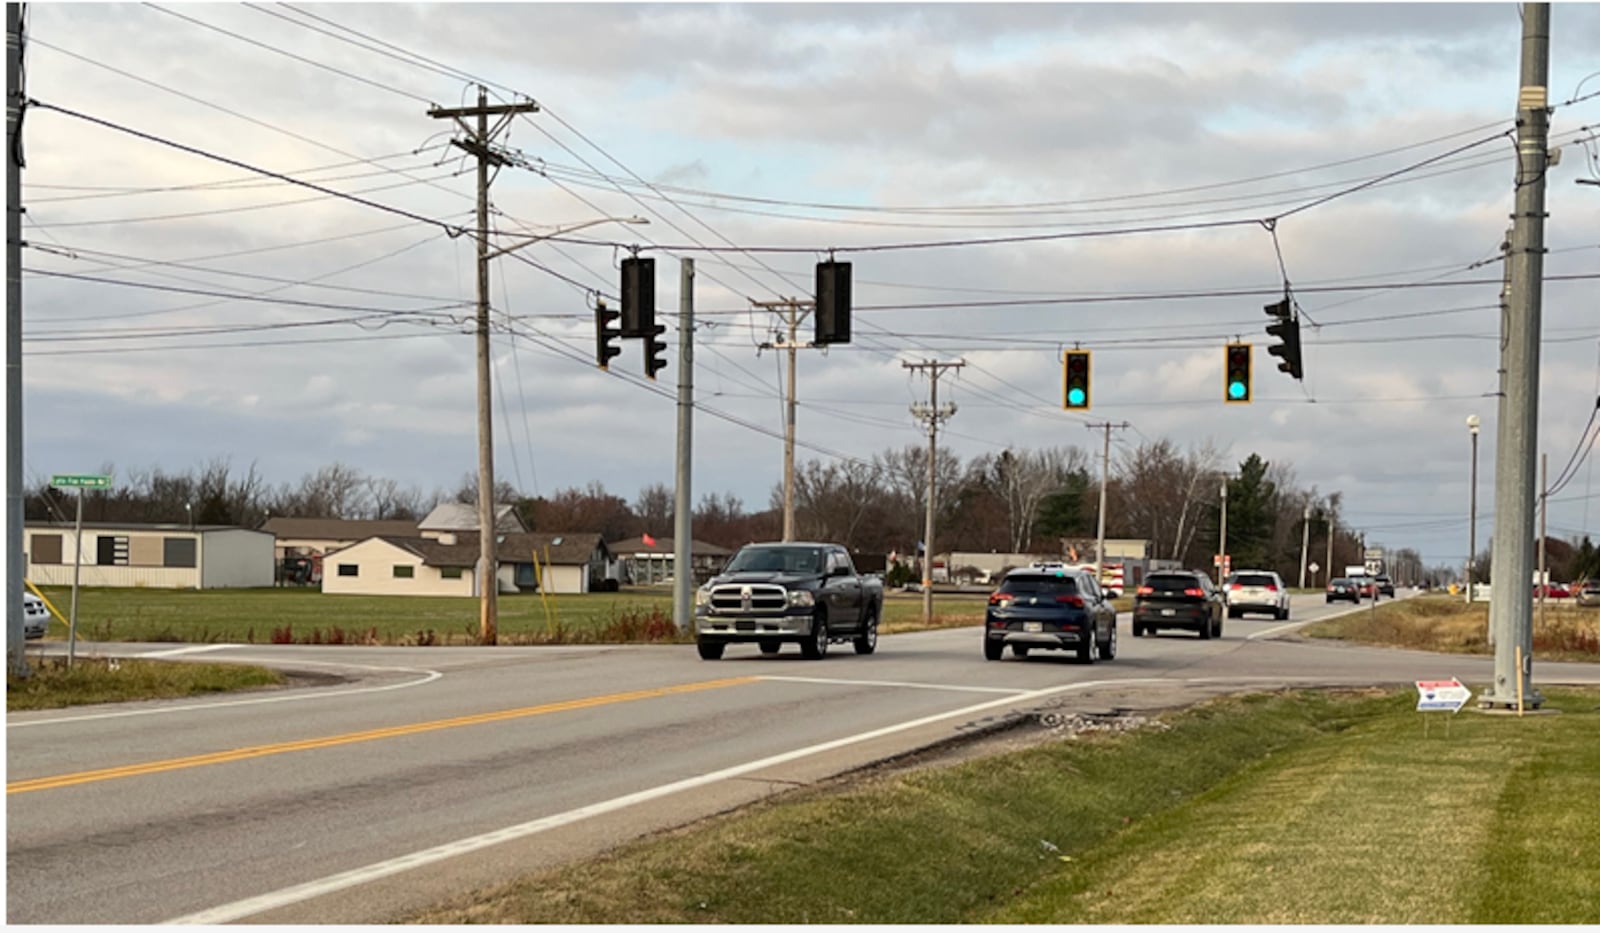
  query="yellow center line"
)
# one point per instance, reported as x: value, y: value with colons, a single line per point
x: 259, y: 751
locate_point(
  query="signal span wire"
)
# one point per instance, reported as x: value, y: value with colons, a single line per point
x: 245, y: 296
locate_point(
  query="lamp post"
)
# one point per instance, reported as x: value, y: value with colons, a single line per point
x: 1472, y: 514
x: 487, y: 572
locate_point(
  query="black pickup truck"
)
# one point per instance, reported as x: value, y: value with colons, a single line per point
x: 791, y: 592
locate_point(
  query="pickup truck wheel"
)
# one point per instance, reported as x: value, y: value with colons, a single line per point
x: 1109, y: 649
x: 771, y: 646
x: 867, y: 641
x: 710, y: 650
x: 817, y: 645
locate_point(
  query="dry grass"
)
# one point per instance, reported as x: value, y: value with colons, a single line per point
x: 1446, y: 623
x: 52, y: 684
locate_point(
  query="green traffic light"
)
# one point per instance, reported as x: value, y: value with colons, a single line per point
x: 1075, y: 396
x: 1236, y: 389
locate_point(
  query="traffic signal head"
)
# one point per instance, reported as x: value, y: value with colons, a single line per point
x: 1075, y: 380
x: 654, y: 348
x: 833, y: 302
x: 1236, y: 373
x: 1287, y: 330
x: 638, y: 297
x: 604, y: 334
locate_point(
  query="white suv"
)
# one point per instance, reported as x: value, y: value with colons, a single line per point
x: 35, y: 617
x: 1256, y: 591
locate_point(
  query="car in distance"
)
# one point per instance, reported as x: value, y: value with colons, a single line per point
x: 773, y: 593
x: 1589, y: 593
x: 1256, y: 591
x: 1344, y: 588
x: 1180, y: 599
x: 1551, y: 591
x: 1385, y: 585
x: 35, y: 617
x: 1051, y: 610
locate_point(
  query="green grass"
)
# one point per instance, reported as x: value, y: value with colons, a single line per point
x: 304, y: 615
x: 52, y: 684
x: 1286, y: 808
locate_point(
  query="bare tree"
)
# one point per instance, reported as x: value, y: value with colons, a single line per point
x: 654, y: 508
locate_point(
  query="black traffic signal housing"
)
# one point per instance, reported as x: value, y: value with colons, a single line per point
x: 1236, y: 374
x: 833, y: 303
x: 1287, y: 330
x: 654, y: 347
x: 638, y: 297
x: 1075, y: 381
x: 604, y: 334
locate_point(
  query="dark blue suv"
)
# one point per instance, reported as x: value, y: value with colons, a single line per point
x: 1050, y: 609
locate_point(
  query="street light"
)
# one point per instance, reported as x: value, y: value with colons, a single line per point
x: 1472, y: 520
x: 487, y: 574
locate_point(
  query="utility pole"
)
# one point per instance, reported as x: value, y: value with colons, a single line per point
x: 1331, y: 574
x: 1472, y: 520
x: 1544, y: 507
x: 1222, y: 543
x: 16, y: 657
x: 932, y: 414
x: 1516, y: 441
x: 794, y: 307
x: 1105, y: 474
x: 1305, y: 541
x: 682, y: 517
x: 477, y: 144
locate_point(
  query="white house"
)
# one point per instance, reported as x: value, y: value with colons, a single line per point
x: 171, y: 556
x: 392, y: 565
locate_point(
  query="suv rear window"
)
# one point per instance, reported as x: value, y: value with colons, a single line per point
x: 1040, y: 586
x: 1255, y: 579
x: 1171, y: 581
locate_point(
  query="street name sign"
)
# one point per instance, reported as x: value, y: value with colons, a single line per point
x: 1442, y: 694
x: 80, y: 480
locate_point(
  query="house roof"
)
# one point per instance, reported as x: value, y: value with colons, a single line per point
x: 459, y: 516
x: 563, y: 549
x: 141, y: 526
x: 665, y: 547
x: 337, y: 529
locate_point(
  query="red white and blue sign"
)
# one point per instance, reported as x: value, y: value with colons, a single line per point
x: 1448, y: 695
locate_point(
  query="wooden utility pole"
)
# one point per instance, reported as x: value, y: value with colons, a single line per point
x: 794, y: 307
x: 932, y: 414
x: 477, y: 144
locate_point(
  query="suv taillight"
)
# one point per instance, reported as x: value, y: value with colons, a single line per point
x: 1194, y: 591
x: 1074, y: 601
x: 1144, y: 591
x: 1000, y: 599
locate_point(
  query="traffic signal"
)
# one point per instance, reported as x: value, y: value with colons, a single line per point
x: 1236, y: 373
x: 833, y: 302
x: 654, y: 347
x: 1075, y: 380
x: 1287, y: 330
x: 638, y: 297
x: 604, y: 333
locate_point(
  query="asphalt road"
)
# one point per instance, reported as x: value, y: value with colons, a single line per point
x: 421, y: 773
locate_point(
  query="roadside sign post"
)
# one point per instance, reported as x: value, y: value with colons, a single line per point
x: 80, y: 482
x: 1436, y: 695
x: 1314, y: 568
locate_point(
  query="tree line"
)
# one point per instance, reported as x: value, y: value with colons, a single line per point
x: 1015, y: 501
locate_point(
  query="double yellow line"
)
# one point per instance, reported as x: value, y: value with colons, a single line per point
x: 349, y: 738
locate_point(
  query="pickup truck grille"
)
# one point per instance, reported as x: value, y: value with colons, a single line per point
x: 733, y: 598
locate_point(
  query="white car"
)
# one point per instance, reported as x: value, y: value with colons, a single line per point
x: 1256, y: 591
x: 35, y: 617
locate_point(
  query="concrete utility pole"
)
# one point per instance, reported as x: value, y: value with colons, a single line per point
x: 794, y: 307
x: 17, y: 661
x: 1105, y: 474
x: 1516, y: 441
x: 1222, y: 543
x: 1305, y: 542
x: 1472, y: 520
x: 1544, y: 507
x: 1331, y: 574
x: 932, y: 414
x: 682, y: 516
x: 486, y: 576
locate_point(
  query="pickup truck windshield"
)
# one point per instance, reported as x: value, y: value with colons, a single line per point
x: 778, y: 560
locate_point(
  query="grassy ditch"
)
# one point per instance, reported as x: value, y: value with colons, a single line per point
x: 1296, y: 807
x: 53, y: 685
x: 302, y: 616
x: 1447, y: 623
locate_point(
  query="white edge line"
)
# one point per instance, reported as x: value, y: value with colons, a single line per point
x: 892, y: 683
x: 429, y: 677
x: 302, y: 892
x: 1279, y: 628
x: 187, y: 649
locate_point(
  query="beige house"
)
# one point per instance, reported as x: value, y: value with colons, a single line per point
x: 163, y: 556
x: 308, y: 537
x: 645, y: 563
x: 393, y: 565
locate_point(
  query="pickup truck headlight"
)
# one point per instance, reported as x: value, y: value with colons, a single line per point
x: 803, y: 598
x: 702, y: 596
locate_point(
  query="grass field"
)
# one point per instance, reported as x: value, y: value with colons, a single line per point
x: 52, y: 684
x: 1285, y: 808
x: 308, y: 616
x: 1447, y: 623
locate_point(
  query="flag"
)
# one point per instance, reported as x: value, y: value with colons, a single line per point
x: 649, y: 541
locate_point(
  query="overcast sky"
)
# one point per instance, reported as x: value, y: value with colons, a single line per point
x: 806, y: 127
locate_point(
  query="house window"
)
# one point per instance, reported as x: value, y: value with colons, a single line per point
x: 111, y: 550
x: 450, y: 573
x: 349, y: 570
x: 404, y: 571
x: 46, y: 549
x: 178, y: 552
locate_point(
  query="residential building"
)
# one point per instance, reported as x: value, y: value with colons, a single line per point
x: 163, y: 555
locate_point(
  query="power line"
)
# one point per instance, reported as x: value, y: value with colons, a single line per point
x: 243, y: 296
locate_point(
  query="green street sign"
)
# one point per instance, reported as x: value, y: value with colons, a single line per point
x: 80, y: 480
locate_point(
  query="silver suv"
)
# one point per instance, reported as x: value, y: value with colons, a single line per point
x: 1256, y: 591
